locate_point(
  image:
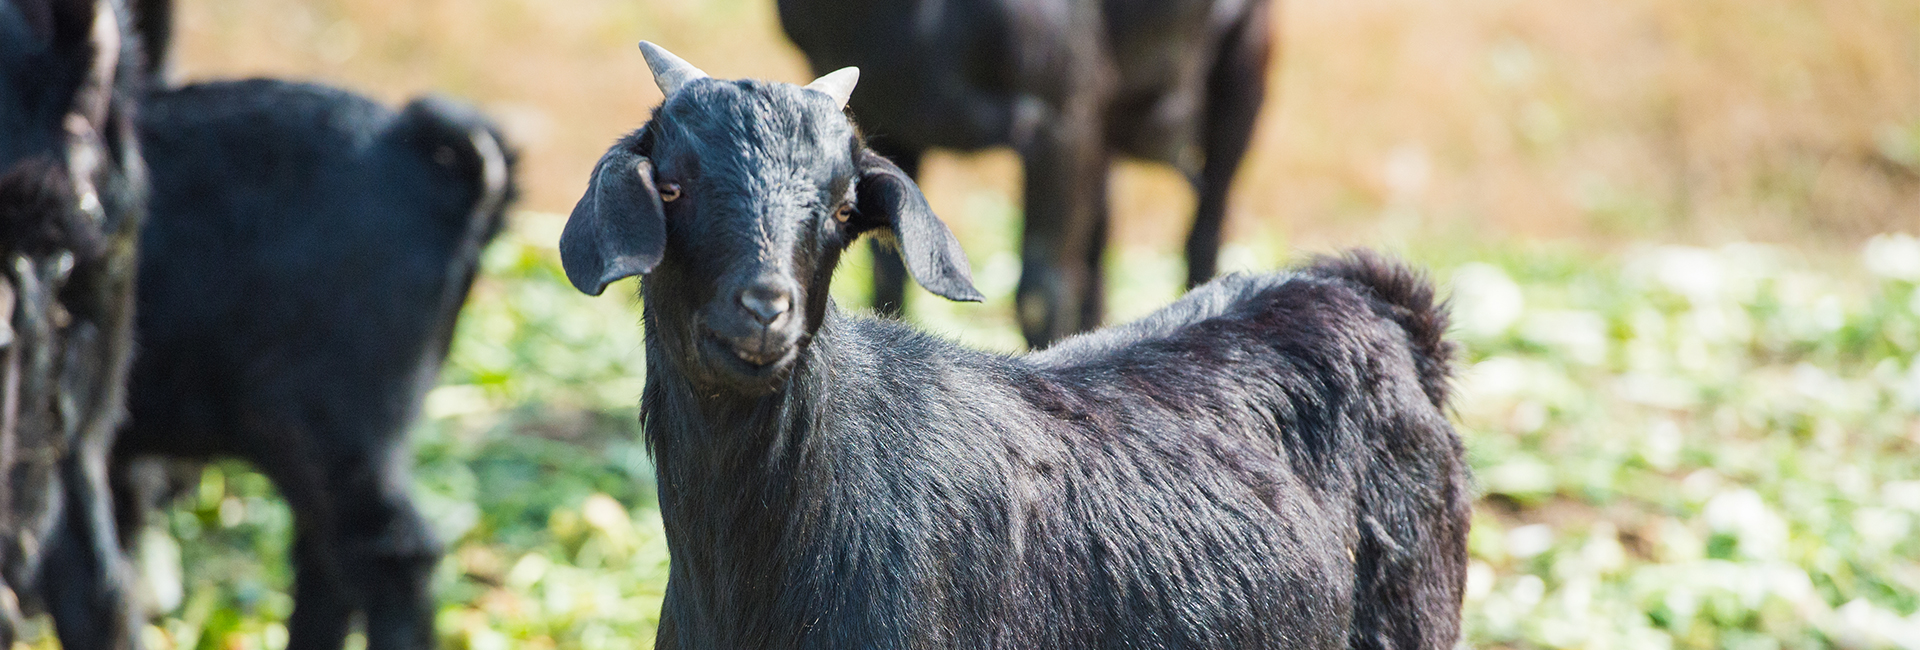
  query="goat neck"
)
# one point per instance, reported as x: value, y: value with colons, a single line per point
x: 730, y: 462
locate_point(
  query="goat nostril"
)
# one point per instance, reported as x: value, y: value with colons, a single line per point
x: 765, y: 304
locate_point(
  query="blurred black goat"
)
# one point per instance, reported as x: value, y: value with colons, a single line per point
x: 1068, y: 84
x: 72, y: 192
x: 306, y: 258
x: 1263, y: 464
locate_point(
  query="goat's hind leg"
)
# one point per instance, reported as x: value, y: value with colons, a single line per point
x: 1235, y: 88
x: 362, y: 549
x: 323, y: 605
x: 389, y: 554
x: 1093, y: 304
x: 1065, y: 166
x: 399, y: 574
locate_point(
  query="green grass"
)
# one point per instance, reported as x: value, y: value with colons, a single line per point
x: 1674, y: 447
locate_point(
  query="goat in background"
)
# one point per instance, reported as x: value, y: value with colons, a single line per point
x: 306, y: 258
x: 1068, y: 84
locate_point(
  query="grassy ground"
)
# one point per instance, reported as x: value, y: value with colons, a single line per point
x: 1674, y: 447
x: 1707, y: 445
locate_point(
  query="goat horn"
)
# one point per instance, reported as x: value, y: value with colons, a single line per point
x: 669, y: 71
x: 837, y: 84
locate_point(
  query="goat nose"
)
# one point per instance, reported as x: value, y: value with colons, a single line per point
x: 766, y: 301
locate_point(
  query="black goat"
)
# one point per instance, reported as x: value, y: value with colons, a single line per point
x: 306, y: 258
x: 1068, y: 84
x: 72, y: 194
x: 1264, y: 463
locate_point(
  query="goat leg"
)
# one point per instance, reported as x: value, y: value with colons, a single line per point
x: 322, y: 610
x: 85, y: 581
x: 1235, y: 88
x: 386, y: 549
x: 399, y: 601
x: 1065, y: 169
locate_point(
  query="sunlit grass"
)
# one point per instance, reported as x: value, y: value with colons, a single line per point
x: 1675, y: 447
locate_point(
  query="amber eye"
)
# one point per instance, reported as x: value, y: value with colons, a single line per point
x: 669, y: 192
x: 844, y: 213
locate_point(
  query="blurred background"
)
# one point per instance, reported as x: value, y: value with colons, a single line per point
x: 1693, y: 120
x: 1673, y: 230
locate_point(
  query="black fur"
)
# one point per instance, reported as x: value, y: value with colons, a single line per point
x: 1407, y: 298
x: 1260, y: 464
x: 1069, y: 84
x: 306, y: 259
x: 72, y: 195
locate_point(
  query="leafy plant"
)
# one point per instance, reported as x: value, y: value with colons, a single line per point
x: 1676, y: 448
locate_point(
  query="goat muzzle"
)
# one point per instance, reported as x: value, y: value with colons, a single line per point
x: 757, y: 323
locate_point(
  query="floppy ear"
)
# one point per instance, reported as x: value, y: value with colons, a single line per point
x: 885, y: 193
x: 618, y: 229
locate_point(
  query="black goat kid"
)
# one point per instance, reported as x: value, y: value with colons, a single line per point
x: 1069, y: 84
x: 307, y: 255
x: 72, y: 194
x: 1263, y: 464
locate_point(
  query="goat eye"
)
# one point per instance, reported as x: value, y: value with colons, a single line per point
x: 669, y: 192
x: 844, y: 213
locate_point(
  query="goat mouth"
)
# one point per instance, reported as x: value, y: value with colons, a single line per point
x: 749, y: 360
x: 758, y: 358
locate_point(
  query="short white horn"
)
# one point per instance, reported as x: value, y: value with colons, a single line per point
x: 837, y: 84
x: 669, y: 71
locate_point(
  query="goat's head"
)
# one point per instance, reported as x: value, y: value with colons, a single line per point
x: 58, y: 65
x: 735, y: 201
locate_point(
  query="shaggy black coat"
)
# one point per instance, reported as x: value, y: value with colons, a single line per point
x: 1265, y: 463
x: 72, y: 194
x: 1069, y: 84
x: 305, y: 261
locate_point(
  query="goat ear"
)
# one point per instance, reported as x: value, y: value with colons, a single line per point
x: 459, y: 140
x: 618, y: 229
x: 932, y: 254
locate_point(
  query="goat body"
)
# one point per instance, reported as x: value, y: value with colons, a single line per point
x: 1265, y: 463
x: 1262, y: 464
x: 305, y: 261
x: 1069, y: 84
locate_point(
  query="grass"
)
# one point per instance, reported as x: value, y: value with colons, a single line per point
x: 1674, y: 447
